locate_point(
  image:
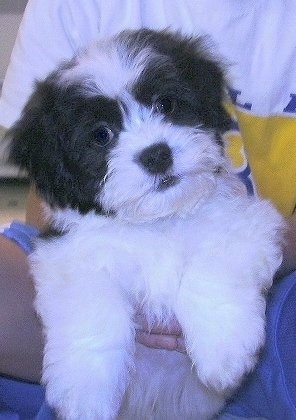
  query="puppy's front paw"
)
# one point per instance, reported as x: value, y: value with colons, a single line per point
x: 225, y: 363
x: 77, y: 402
x: 90, y: 389
x: 226, y: 372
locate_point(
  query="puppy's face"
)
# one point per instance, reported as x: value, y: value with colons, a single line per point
x: 130, y: 127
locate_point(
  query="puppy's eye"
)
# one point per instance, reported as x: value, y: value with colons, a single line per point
x: 164, y: 105
x: 103, y: 135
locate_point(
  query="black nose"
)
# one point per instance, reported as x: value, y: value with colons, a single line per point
x: 157, y: 158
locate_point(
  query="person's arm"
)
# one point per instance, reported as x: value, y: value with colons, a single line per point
x: 34, y: 210
x: 21, y: 340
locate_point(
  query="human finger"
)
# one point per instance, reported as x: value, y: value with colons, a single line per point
x: 161, y: 341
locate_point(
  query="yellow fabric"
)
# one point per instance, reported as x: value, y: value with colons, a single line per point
x: 270, y: 146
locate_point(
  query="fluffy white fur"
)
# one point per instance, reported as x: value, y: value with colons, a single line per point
x: 201, y: 250
x: 209, y: 269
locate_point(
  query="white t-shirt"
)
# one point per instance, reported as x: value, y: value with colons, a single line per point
x: 257, y: 38
x: 52, y: 30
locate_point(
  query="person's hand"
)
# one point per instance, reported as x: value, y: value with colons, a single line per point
x: 160, y: 337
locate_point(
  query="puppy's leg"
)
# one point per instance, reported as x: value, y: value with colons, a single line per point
x: 89, y: 340
x: 223, y: 326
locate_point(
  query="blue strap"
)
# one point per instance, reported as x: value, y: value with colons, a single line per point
x: 23, y: 234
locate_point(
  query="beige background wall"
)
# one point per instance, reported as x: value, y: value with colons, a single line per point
x: 10, y: 16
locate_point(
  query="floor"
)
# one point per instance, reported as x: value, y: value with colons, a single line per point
x: 12, y: 199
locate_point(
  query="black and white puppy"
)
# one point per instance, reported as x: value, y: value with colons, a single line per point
x: 124, y: 142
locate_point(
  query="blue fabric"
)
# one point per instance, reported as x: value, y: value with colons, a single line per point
x: 23, y: 234
x: 269, y: 392
x: 22, y: 401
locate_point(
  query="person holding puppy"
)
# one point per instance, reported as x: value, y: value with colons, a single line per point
x: 64, y: 26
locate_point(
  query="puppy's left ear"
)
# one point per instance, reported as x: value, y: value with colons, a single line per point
x: 205, y: 75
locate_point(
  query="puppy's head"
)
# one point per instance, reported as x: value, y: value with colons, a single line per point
x: 130, y: 127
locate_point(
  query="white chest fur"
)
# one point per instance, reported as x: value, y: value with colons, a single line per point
x: 209, y: 270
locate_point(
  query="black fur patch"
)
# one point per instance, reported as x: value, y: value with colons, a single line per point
x: 185, y: 71
x: 56, y: 142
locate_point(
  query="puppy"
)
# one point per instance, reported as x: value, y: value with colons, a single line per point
x: 124, y: 143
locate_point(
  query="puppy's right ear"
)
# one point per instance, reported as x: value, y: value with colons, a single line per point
x: 53, y: 142
x: 37, y: 141
x: 25, y: 138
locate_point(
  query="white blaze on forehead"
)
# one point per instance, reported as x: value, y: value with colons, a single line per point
x: 107, y: 68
